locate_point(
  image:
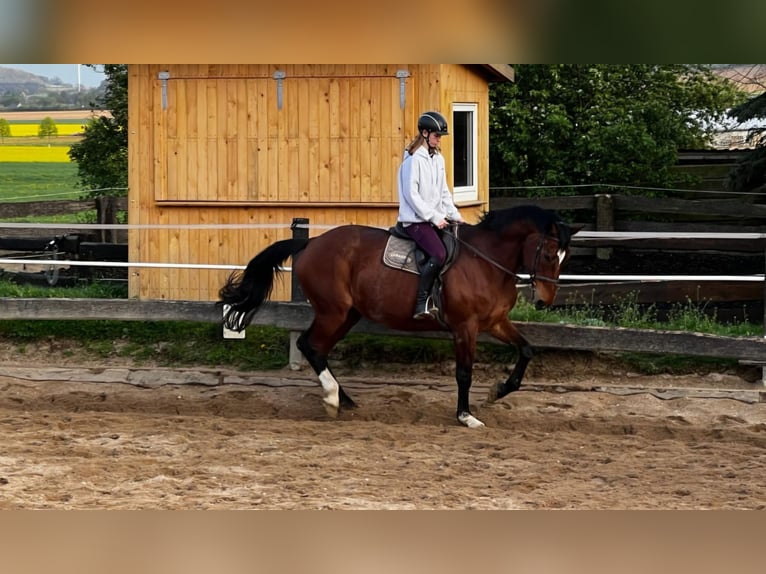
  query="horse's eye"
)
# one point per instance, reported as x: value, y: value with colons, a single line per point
x: 551, y: 256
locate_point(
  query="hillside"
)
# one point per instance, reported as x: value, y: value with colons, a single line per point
x: 750, y: 78
x: 12, y: 79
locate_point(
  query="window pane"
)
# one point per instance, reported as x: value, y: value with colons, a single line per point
x: 463, y: 148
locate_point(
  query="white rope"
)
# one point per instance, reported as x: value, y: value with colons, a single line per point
x: 153, y: 226
x: 582, y: 234
x: 563, y: 277
x: 523, y: 276
x: 654, y: 278
x: 65, y: 194
x: 665, y: 235
x: 618, y: 186
x: 72, y: 263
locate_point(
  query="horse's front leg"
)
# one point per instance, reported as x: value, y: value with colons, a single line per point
x: 506, y: 332
x: 465, y: 349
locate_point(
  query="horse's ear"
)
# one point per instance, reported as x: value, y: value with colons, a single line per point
x: 575, y: 228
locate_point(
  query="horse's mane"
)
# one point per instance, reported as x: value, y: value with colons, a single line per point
x: 542, y: 219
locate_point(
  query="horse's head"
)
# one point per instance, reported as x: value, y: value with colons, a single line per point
x: 543, y: 255
x: 543, y: 239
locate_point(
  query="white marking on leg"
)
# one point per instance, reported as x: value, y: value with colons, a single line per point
x: 331, y: 392
x: 470, y: 421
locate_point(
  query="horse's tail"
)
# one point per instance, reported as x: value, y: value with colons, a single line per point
x: 245, y: 291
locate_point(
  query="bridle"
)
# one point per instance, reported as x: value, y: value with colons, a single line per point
x: 533, y: 275
x: 538, y: 252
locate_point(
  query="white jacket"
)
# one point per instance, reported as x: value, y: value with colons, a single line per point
x: 423, y: 191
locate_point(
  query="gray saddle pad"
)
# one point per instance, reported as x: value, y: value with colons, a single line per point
x: 400, y: 254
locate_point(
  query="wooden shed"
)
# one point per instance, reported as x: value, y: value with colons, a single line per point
x: 251, y: 146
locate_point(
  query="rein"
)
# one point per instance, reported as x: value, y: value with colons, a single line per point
x: 532, y: 276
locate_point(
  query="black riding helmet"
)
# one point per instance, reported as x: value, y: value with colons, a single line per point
x: 432, y: 122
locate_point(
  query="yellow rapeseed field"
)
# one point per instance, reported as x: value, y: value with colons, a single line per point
x: 41, y: 153
x: 29, y: 130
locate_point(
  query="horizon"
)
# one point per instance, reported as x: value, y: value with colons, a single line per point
x: 67, y: 73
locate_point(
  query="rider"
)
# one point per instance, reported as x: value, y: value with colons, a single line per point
x: 425, y: 202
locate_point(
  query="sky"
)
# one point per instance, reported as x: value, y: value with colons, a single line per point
x: 89, y: 78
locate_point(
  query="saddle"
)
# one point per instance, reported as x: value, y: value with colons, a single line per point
x: 402, y: 253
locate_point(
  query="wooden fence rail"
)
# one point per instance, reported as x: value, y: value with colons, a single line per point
x: 61, y: 207
x: 606, y: 212
x: 297, y: 316
x: 106, y: 213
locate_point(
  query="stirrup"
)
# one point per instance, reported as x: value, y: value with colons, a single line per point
x: 428, y: 312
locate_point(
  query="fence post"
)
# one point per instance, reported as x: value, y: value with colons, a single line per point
x: 106, y: 214
x: 300, y: 231
x: 604, y: 221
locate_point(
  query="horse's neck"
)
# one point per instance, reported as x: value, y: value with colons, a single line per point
x: 503, y: 250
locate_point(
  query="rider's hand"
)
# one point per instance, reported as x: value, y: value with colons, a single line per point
x: 442, y: 224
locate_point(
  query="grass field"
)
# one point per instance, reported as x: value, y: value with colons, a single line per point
x: 25, y: 181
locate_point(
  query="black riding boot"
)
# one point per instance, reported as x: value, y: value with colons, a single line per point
x: 427, y: 278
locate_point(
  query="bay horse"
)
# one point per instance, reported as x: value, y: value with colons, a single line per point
x: 344, y: 278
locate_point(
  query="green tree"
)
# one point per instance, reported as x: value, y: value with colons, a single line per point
x: 750, y: 173
x: 568, y: 124
x: 102, y: 154
x: 5, y: 129
x: 48, y: 128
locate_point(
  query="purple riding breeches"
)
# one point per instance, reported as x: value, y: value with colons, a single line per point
x: 425, y: 235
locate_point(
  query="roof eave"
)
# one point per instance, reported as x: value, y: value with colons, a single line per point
x: 500, y: 72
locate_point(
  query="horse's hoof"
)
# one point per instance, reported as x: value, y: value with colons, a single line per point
x: 331, y: 410
x: 494, y: 393
x: 470, y: 421
x: 347, y: 402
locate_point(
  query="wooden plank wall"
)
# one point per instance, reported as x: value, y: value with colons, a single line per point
x: 222, y: 152
x: 229, y: 134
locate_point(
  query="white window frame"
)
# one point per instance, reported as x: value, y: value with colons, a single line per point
x: 467, y: 192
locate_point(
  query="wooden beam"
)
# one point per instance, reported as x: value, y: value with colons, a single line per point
x: 642, y: 341
x: 53, y: 207
x: 716, y: 208
x: 743, y: 244
x: 655, y: 291
x: 297, y: 316
x: 563, y: 202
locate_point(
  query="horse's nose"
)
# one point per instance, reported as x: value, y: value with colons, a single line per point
x: 540, y: 305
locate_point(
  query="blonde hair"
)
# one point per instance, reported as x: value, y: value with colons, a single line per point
x: 417, y: 142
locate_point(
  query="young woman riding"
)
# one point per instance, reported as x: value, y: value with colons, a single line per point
x: 425, y: 202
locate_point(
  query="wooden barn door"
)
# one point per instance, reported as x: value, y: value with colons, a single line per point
x: 317, y: 139
x: 216, y: 140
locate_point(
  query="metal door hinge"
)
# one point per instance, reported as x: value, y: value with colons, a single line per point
x: 279, y: 75
x: 402, y: 75
x: 164, y: 77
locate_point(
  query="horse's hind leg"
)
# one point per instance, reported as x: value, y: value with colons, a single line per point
x: 334, y: 395
x: 316, y: 343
